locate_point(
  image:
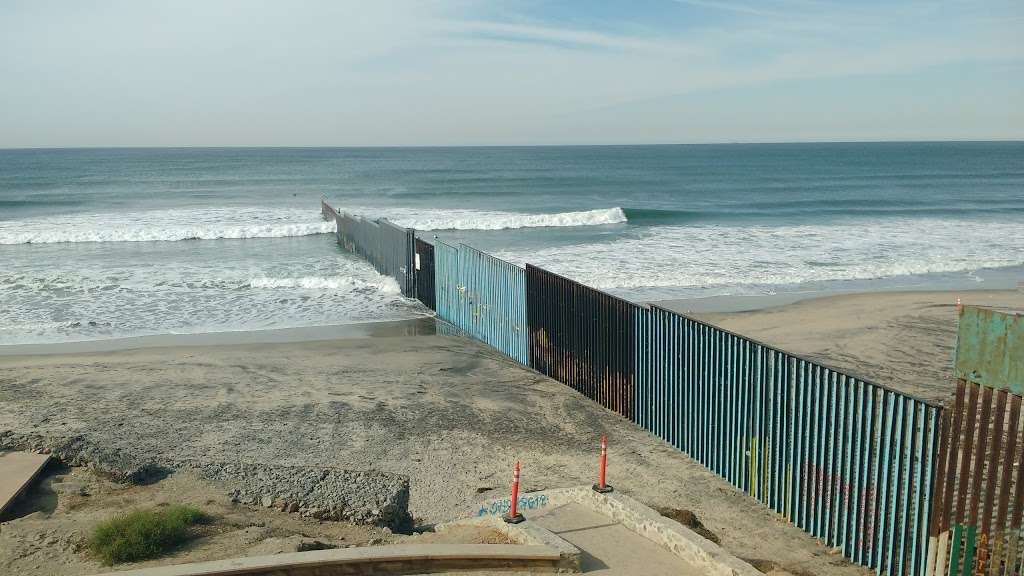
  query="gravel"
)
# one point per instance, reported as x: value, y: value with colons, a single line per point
x: 360, y: 497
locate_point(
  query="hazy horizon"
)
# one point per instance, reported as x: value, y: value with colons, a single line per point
x: 566, y: 145
x: 464, y: 73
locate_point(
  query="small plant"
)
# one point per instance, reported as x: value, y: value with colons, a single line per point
x: 143, y: 534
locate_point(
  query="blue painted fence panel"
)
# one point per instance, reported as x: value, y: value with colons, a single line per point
x: 483, y: 296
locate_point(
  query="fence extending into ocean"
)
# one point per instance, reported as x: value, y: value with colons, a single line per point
x: 852, y: 462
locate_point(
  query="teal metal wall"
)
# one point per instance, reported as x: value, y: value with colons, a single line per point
x: 849, y: 461
x: 484, y: 296
x: 990, y: 348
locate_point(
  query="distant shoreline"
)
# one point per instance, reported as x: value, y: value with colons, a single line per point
x: 391, y: 328
x: 561, y: 145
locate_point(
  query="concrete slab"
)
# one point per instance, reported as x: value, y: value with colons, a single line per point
x: 608, y: 547
x: 17, y: 470
x: 689, y: 547
x: 395, y: 559
x: 526, y: 533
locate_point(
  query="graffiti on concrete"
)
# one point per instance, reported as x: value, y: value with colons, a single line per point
x: 503, y: 506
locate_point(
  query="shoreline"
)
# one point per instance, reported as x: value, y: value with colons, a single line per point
x: 384, y: 329
x: 717, y: 307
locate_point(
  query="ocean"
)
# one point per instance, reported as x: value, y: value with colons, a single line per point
x: 107, y: 243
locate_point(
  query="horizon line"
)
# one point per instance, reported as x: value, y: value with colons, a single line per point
x: 566, y: 145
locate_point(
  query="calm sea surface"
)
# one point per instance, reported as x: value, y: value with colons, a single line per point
x: 101, y: 243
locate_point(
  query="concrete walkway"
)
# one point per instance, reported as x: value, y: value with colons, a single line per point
x: 17, y: 470
x: 608, y: 547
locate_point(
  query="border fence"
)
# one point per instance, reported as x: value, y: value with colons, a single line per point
x: 582, y: 337
x: 424, y: 265
x: 387, y: 247
x: 975, y: 529
x: 874, y: 472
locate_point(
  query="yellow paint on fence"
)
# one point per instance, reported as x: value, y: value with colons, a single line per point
x: 789, y: 478
x: 979, y: 564
x: 997, y: 555
x: 1011, y: 558
x: 753, y: 466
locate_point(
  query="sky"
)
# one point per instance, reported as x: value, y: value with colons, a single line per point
x: 462, y: 72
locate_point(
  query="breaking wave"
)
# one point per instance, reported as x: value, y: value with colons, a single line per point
x: 718, y: 256
x: 383, y: 284
x: 435, y: 219
x: 239, y: 223
x: 166, y: 226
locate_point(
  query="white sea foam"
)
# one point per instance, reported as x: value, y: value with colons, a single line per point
x: 166, y: 225
x: 203, y: 289
x: 251, y: 222
x: 461, y: 219
x: 727, y: 256
x: 381, y: 283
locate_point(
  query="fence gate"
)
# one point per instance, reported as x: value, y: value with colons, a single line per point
x: 424, y: 265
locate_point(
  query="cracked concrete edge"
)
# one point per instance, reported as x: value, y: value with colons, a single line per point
x: 527, y: 533
x: 394, y: 559
x: 673, y: 536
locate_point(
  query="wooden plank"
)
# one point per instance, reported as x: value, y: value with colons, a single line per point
x: 17, y: 470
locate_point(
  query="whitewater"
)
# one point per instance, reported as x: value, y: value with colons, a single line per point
x: 222, y: 223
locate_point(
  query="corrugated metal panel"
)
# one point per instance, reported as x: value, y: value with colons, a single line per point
x: 582, y: 337
x: 848, y: 461
x: 990, y: 348
x: 483, y: 296
x: 389, y: 248
x: 447, y: 288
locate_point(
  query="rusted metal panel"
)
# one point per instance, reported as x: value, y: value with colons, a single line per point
x: 990, y: 348
x: 582, y: 337
x: 1002, y: 507
x: 983, y: 467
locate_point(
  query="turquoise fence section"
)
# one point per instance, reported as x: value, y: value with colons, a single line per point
x: 447, y: 288
x: 848, y: 461
x: 990, y: 348
x: 483, y: 296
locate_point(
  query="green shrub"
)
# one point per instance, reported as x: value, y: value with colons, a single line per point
x: 143, y: 534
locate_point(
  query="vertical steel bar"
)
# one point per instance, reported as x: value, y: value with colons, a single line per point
x: 1010, y: 452
x: 991, y: 474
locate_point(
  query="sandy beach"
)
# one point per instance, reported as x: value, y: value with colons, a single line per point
x: 451, y: 414
x: 904, y: 340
